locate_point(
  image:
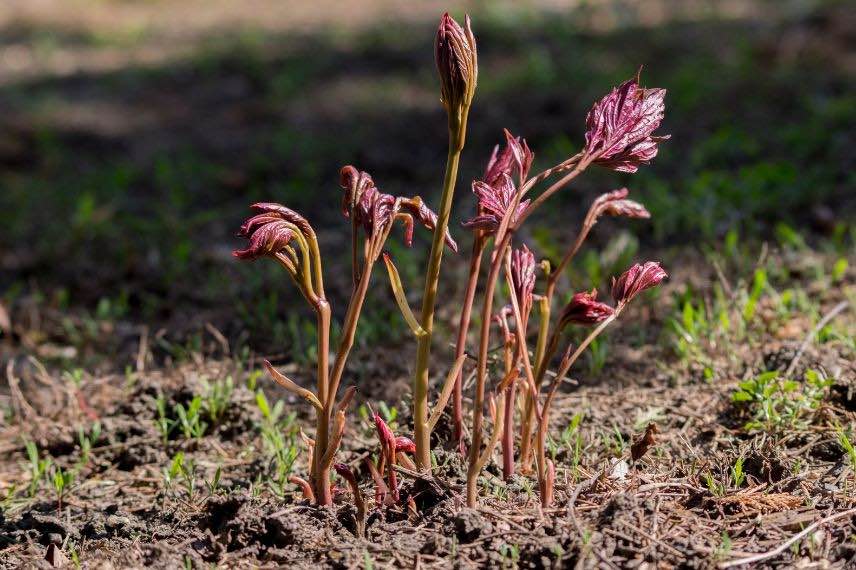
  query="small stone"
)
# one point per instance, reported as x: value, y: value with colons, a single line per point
x: 55, y: 556
x: 118, y: 522
x: 619, y: 470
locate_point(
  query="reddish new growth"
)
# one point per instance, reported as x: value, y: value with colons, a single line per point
x: 615, y: 203
x: 523, y: 278
x: 375, y: 211
x: 620, y: 126
x: 494, y: 202
x: 269, y: 232
x: 390, y: 447
x: 496, y: 191
x: 585, y: 309
x: 635, y: 280
x: 619, y: 136
x: 515, y: 158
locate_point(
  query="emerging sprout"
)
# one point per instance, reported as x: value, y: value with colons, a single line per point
x: 390, y: 447
x: 404, y: 444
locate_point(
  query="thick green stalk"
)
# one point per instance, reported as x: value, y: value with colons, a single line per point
x: 421, y: 431
x: 319, y: 476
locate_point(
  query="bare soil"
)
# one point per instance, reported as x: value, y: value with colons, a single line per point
x: 609, y: 511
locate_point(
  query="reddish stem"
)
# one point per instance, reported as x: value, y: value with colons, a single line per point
x: 461, y: 342
x: 508, y: 433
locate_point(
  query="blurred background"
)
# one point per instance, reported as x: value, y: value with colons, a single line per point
x: 135, y: 133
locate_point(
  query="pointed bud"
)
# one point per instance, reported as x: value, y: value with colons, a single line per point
x: 384, y: 434
x: 455, y: 55
x: 637, y: 279
x: 523, y: 278
x: 515, y: 157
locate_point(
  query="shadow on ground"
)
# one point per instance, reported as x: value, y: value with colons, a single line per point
x: 128, y: 185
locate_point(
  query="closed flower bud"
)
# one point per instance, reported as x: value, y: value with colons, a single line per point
x: 637, y: 279
x: 384, y: 434
x: 455, y: 55
x: 523, y: 277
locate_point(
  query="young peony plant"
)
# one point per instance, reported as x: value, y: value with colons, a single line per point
x: 283, y: 235
x: 620, y: 136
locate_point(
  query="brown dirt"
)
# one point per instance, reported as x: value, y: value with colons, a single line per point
x: 610, y: 512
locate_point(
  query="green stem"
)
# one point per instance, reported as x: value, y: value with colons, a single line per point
x: 319, y: 477
x: 421, y: 432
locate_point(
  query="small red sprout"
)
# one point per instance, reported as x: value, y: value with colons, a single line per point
x: 404, y: 444
x: 389, y: 445
x: 620, y: 126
